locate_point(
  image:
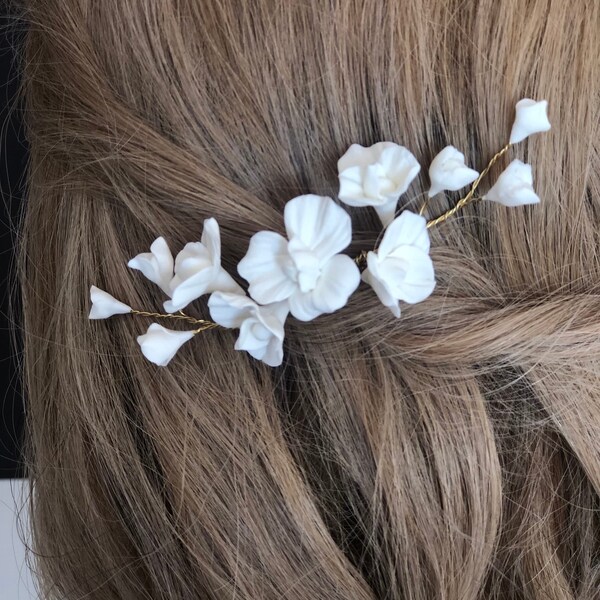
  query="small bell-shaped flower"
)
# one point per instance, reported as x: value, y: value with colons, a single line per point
x: 198, y: 270
x: 514, y: 186
x: 531, y: 117
x: 104, y: 305
x: 376, y: 176
x: 401, y: 268
x: 261, y: 327
x: 159, y: 344
x: 449, y: 172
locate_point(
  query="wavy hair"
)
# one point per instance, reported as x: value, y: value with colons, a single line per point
x: 451, y: 454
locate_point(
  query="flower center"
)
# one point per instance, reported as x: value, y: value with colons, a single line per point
x: 304, y: 267
x: 377, y: 181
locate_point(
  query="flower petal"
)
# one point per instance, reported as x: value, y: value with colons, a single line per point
x: 379, y: 287
x: 324, y: 227
x: 401, y: 167
x: 386, y: 212
x: 190, y: 289
x: 408, y: 229
x: 360, y: 156
x: 273, y: 355
x: 230, y: 310
x: 159, y: 345
x: 211, y: 239
x: 352, y: 188
x: 302, y: 306
x: 104, y: 305
x: 531, y: 118
x: 408, y: 274
x: 194, y: 257
x: 339, y: 279
x: 514, y: 186
x: 266, y: 266
x: 156, y: 265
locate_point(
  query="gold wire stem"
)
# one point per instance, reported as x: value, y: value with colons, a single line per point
x: 209, y: 325
x: 361, y: 259
x: 470, y: 197
x: 180, y: 316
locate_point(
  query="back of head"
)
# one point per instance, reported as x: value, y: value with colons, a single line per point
x: 452, y: 453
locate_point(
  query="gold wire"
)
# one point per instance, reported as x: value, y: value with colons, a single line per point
x: 180, y: 316
x: 361, y: 259
x: 470, y: 197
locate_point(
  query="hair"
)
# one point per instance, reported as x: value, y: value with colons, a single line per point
x: 452, y: 453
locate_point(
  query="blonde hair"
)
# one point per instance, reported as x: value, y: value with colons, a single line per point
x: 452, y: 453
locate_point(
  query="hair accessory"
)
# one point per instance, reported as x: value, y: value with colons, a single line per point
x: 305, y: 274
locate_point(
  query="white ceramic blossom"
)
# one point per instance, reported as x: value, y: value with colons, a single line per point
x: 104, y: 305
x: 307, y: 270
x: 159, y: 345
x: 198, y: 270
x: 261, y: 327
x: 531, y: 118
x: 401, y: 268
x: 514, y: 186
x: 376, y: 176
x: 449, y: 172
x: 156, y: 265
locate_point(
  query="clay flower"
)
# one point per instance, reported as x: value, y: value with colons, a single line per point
x: 531, y: 118
x: 156, y: 265
x: 401, y: 269
x: 198, y: 270
x: 159, y: 345
x: 261, y: 327
x: 307, y: 270
x: 376, y: 176
x: 449, y: 172
x: 104, y: 305
x: 514, y: 186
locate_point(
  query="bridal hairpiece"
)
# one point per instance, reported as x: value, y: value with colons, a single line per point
x: 305, y: 273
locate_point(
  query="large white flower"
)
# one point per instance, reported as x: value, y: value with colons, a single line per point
x: 198, y: 270
x: 261, y: 327
x: 376, y: 176
x: 401, y: 268
x: 159, y: 345
x: 156, y: 265
x: 307, y: 270
x: 532, y: 117
x: 104, y: 305
x: 449, y: 172
x: 514, y: 186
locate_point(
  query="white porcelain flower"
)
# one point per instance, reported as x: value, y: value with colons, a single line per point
x: 159, y: 345
x: 449, y: 172
x: 261, y: 327
x: 514, y: 186
x: 156, y: 265
x: 532, y: 117
x: 198, y: 270
x: 376, y: 176
x: 401, y: 268
x: 104, y: 305
x: 307, y: 270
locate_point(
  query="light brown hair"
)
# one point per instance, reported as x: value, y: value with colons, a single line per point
x: 451, y: 454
